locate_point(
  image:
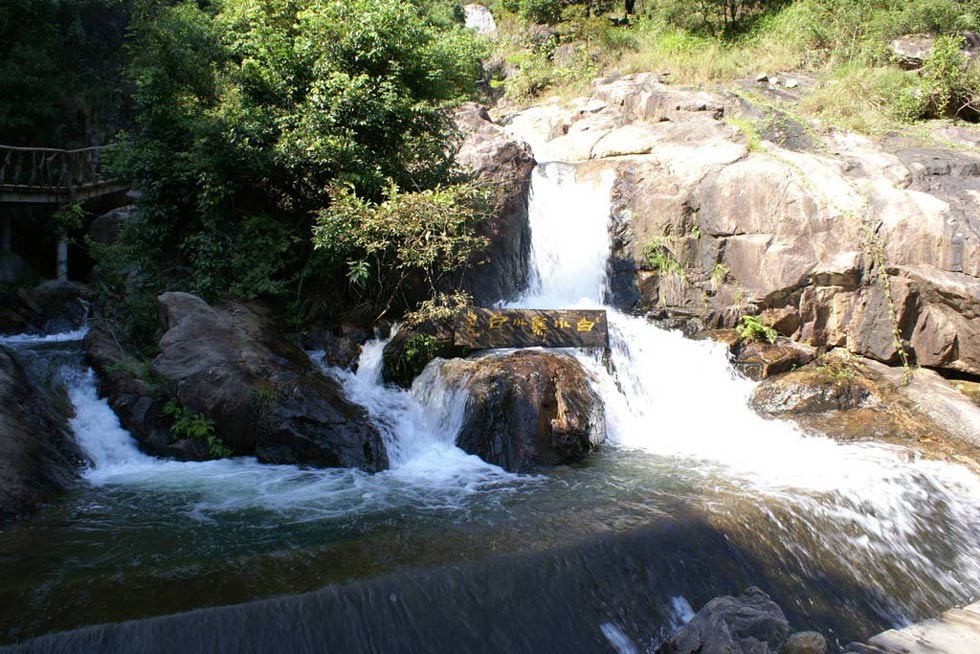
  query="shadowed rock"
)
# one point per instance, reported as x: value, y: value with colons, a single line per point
x: 527, y: 409
x: 38, y: 456
x: 748, y: 624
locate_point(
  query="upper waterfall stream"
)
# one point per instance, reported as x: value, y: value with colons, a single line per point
x: 849, y: 537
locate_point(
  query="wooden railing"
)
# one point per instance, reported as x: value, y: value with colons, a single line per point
x: 52, y: 175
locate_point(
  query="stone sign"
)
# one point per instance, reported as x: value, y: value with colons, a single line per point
x: 480, y: 329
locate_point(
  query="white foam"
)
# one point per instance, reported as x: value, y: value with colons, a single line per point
x: 681, y: 399
x: 72, y: 336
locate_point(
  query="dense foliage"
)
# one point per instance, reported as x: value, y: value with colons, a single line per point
x: 250, y: 117
x: 59, y: 62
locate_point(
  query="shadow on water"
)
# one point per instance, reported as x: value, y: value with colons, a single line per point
x: 551, y: 601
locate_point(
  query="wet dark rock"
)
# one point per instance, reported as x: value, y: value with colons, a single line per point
x: 263, y: 393
x: 341, y: 345
x: 105, y: 229
x: 124, y: 380
x: 527, y: 409
x: 48, y: 308
x: 231, y: 365
x: 38, y: 455
x: 805, y: 642
x: 189, y: 449
x: 414, y: 346
x: 837, y: 383
x: 503, y: 165
x: 850, y: 398
x: 748, y: 624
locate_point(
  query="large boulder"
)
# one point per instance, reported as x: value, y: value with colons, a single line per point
x: 504, y: 165
x: 849, y: 398
x: 910, y: 51
x: 263, y: 394
x: 50, y: 307
x: 527, y: 409
x: 480, y: 20
x: 38, y: 455
x: 748, y: 624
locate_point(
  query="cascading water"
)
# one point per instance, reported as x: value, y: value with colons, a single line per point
x: 694, y: 495
x: 864, y: 504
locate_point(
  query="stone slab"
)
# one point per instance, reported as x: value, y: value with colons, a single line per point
x: 480, y: 329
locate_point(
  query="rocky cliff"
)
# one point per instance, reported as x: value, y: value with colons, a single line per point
x: 837, y: 240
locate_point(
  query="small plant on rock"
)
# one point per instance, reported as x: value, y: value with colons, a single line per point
x: 188, y: 424
x: 751, y: 328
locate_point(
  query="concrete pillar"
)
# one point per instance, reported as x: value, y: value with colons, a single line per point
x: 63, y: 258
x: 5, y: 234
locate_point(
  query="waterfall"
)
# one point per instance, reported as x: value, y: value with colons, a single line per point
x: 681, y: 400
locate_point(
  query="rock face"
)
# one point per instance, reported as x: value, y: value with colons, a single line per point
x: 852, y: 399
x: 48, y: 308
x: 838, y: 238
x: 504, y: 165
x: 38, y: 456
x: 262, y: 393
x: 748, y: 624
x: 527, y: 409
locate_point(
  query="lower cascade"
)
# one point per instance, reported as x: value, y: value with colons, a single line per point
x: 692, y: 494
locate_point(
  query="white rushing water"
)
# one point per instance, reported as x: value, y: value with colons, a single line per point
x: 673, y: 397
x: 419, y: 428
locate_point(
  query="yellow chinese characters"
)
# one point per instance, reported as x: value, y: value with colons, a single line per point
x: 539, y: 325
x: 584, y: 325
x: 498, y: 321
x: 561, y: 323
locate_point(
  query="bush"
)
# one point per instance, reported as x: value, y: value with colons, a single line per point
x: 414, y: 236
x: 752, y: 329
x: 188, y: 424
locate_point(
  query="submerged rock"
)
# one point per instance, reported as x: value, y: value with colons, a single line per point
x: 527, y: 409
x: 38, y: 456
x: 748, y: 624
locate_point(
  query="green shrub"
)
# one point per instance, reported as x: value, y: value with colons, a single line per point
x: 660, y: 259
x: 541, y: 11
x: 417, y: 351
x: 188, y: 424
x: 752, y: 329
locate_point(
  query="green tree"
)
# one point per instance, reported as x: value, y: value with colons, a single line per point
x: 247, y: 113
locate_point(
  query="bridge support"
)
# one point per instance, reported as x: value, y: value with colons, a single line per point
x: 63, y: 257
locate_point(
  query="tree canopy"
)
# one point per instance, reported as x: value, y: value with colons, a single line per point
x: 249, y: 115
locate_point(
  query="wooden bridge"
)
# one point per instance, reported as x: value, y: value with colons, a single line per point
x: 51, y: 176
